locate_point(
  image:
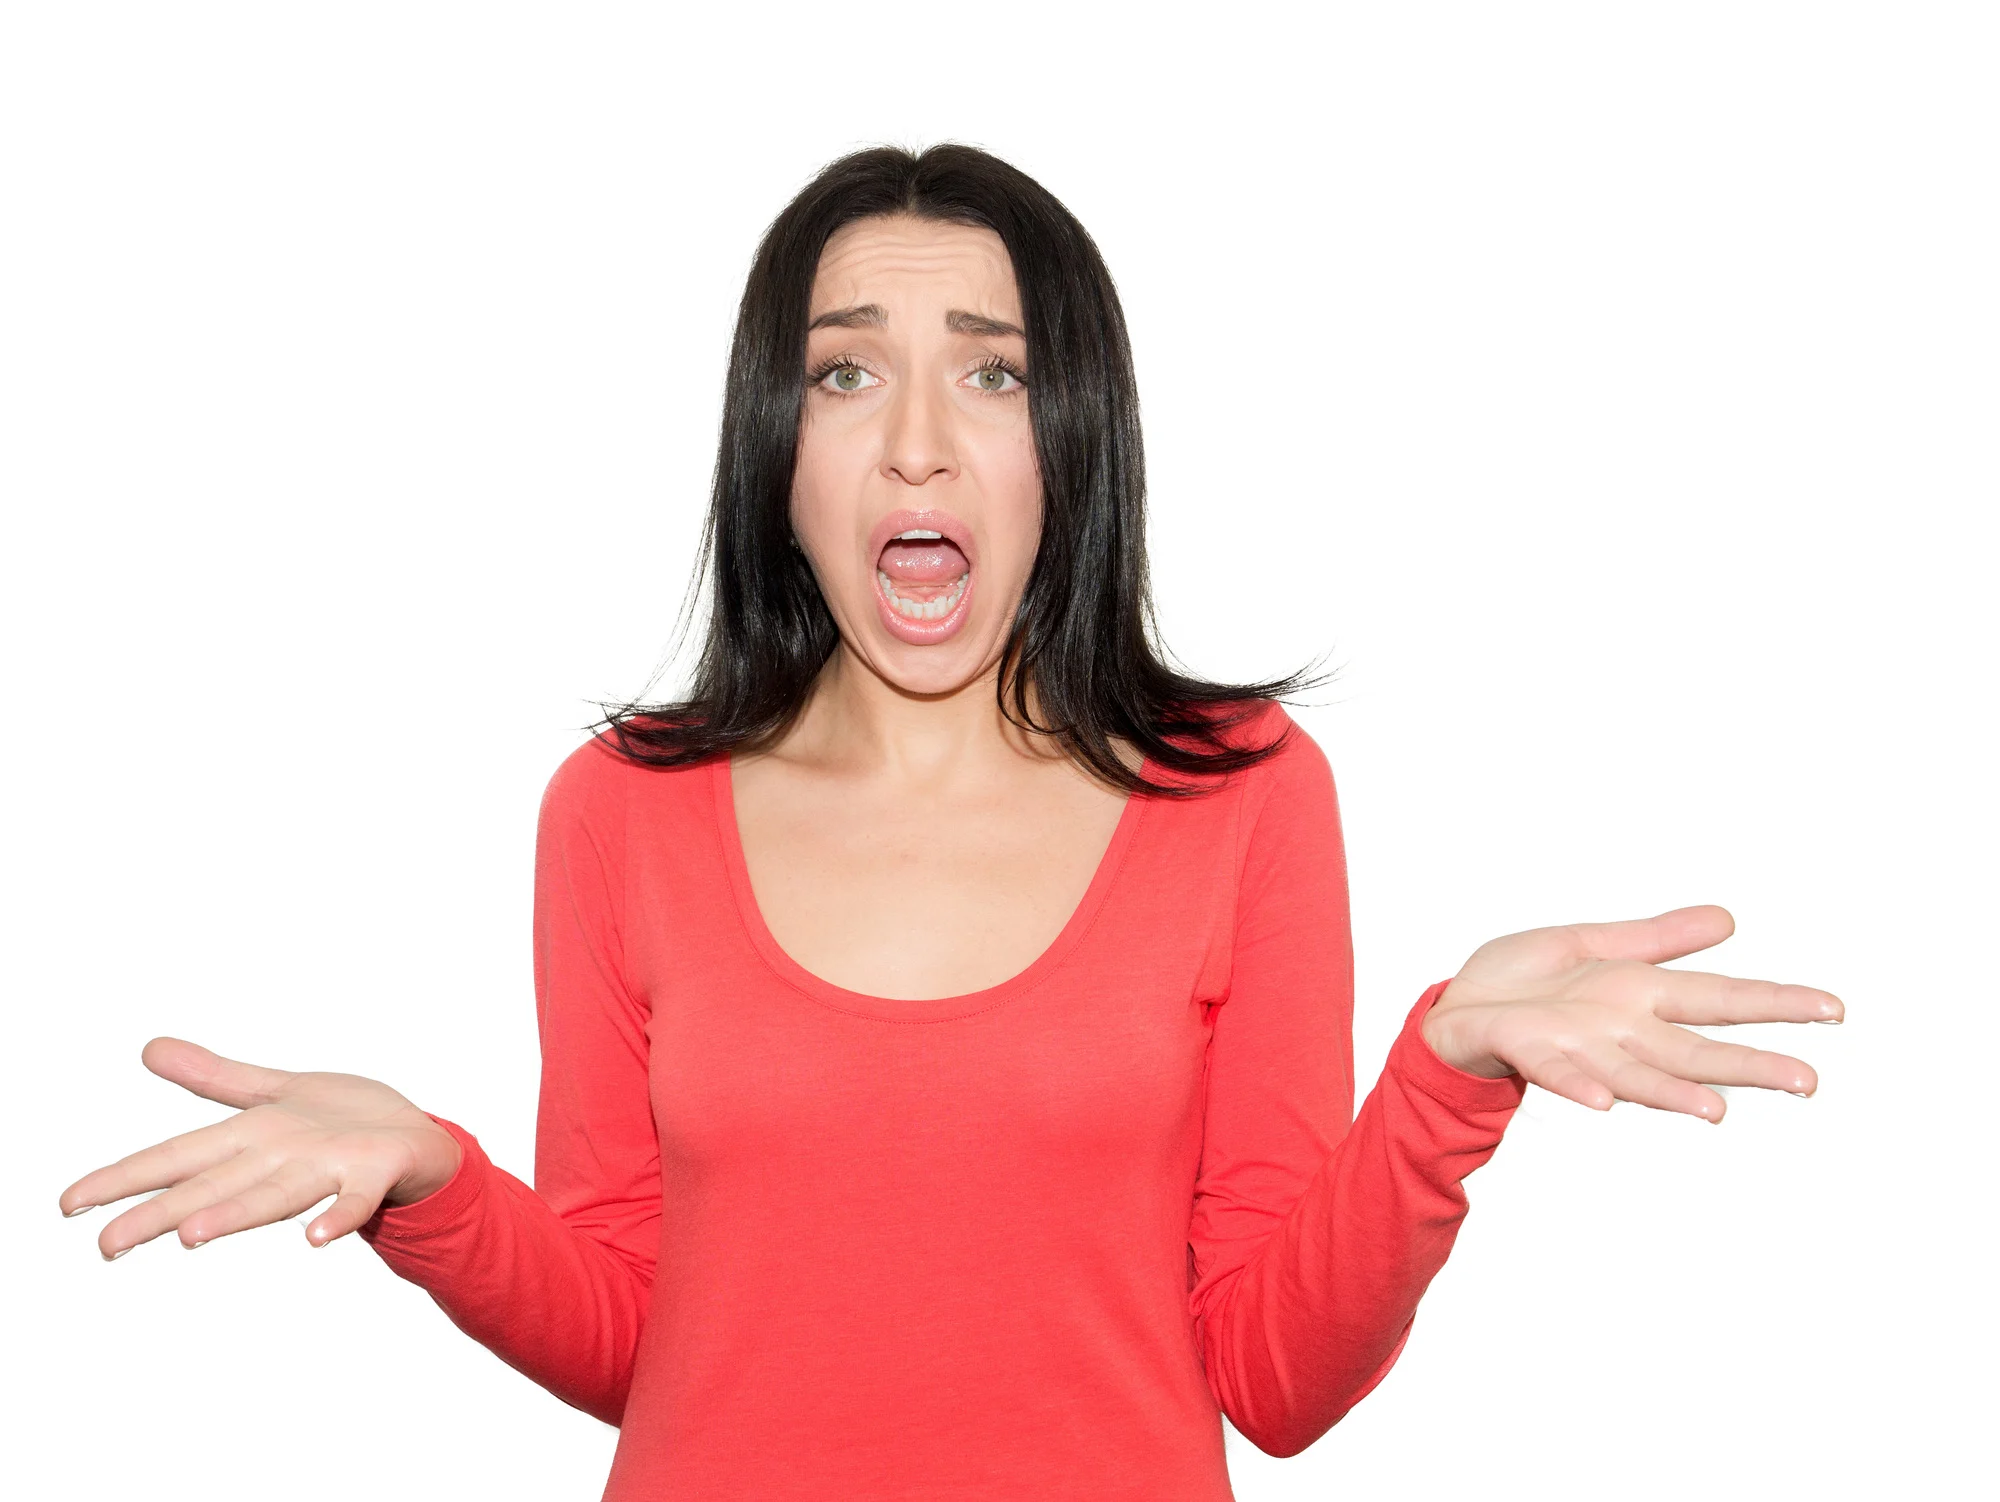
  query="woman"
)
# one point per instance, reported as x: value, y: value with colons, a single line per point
x: 946, y: 1009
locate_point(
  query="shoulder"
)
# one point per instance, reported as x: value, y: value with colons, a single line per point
x: 1267, y: 723
x: 1288, y: 823
x: 1296, y: 770
x: 1272, y: 824
x: 1287, y: 794
x: 598, y: 781
x: 1286, y: 754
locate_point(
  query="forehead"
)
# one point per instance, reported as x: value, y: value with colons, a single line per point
x: 916, y: 263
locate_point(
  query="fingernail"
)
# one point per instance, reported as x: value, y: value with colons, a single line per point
x: 67, y: 1214
x: 1827, y: 1019
x: 193, y: 1244
x: 1801, y: 1094
x: 117, y: 1254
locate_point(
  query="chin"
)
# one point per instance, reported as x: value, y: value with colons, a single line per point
x: 941, y: 668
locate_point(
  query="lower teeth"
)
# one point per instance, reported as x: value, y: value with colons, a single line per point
x: 922, y: 610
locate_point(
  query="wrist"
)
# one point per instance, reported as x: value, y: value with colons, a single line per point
x: 437, y: 1158
x: 1451, y: 1028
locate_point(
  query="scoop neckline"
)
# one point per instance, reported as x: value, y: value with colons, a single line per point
x: 928, y: 1009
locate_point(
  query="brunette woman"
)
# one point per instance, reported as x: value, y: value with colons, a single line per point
x: 945, y: 1009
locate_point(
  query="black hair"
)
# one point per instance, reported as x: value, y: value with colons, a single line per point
x: 1084, y: 634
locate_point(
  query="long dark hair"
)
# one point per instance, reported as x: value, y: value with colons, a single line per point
x: 1084, y: 634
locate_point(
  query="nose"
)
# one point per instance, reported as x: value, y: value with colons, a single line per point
x: 918, y: 445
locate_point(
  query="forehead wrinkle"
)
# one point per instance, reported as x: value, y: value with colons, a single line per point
x: 954, y: 265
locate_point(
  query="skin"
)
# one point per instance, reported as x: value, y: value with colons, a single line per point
x: 904, y: 840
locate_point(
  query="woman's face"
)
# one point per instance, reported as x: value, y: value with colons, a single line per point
x: 916, y: 497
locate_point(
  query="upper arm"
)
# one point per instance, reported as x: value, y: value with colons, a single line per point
x: 596, y: 1151
x: 1280, y: 1079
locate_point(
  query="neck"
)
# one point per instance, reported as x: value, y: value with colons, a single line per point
x: 862, y: 725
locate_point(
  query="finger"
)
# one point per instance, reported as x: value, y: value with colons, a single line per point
x: 1703, y: 1000
x: 1544, y: 1064
x: 350, y: 1212
x: 208, y: 1074
x: 160, y: 1214
x: 157, y: 1167
x: 1666, y: 937
x: 1693, y: 1057
x: 292, y: 1187
x: 1642, y: 1081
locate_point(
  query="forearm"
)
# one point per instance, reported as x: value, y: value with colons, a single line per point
x: 553, y: 1301
x: 1316, y: 1318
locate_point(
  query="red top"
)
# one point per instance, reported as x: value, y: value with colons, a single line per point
x: 1030, y: 1242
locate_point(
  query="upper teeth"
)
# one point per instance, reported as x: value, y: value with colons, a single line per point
x: 917, y: 534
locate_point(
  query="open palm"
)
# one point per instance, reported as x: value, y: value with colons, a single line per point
x: 1585, y: 1011
x: 295, y: 1140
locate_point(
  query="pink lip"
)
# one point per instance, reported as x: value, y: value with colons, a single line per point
x: 923, y: 633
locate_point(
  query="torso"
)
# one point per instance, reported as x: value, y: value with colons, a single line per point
x: 895, y: 891
x: 929, y: 1193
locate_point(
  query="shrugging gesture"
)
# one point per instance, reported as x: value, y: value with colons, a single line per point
x: 296, y: 1139
x: 1584, y: 1011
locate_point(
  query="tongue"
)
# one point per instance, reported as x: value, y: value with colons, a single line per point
x: 938, y: 562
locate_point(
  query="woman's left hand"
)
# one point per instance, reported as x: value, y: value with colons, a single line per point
x: 1584, y: 1011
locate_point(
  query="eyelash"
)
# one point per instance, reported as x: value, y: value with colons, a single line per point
x: 827, y: 367
x: 847, y: 362
x: 995, y: 362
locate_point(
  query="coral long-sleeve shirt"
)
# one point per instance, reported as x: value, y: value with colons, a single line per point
x: 1031, y: 1242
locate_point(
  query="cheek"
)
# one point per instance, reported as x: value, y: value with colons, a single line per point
x: 825, y: 495
x: 1013, y: 506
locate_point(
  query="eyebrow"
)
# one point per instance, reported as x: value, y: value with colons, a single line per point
x: 870, y: 315
x: 867, y: 315
x: 984, y: 328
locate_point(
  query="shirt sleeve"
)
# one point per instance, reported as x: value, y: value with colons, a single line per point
x: 556, y: 1279
x: 1316, y: 1231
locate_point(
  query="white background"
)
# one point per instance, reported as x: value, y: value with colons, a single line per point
x: 1609, y: 388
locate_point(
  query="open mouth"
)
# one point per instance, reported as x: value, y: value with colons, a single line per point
x: 922, y: 574
x: 923, y: 578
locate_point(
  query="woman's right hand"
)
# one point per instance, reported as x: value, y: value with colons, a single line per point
x: 296, y: 1139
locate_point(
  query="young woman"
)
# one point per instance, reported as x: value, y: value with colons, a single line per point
x: 945, y: 1010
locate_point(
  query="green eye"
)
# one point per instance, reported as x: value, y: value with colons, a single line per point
x: 848, y: 378
x: 997, y: 379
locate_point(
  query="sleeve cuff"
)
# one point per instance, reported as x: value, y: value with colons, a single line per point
x: 444, y: 1210
x: 1412, y: 1058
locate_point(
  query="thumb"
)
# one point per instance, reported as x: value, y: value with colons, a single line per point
x: 1666, y: 937
x: 209, y: 1075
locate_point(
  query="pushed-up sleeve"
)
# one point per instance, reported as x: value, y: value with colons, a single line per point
x: 555, y: 1280
x: 1316, y: 1231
